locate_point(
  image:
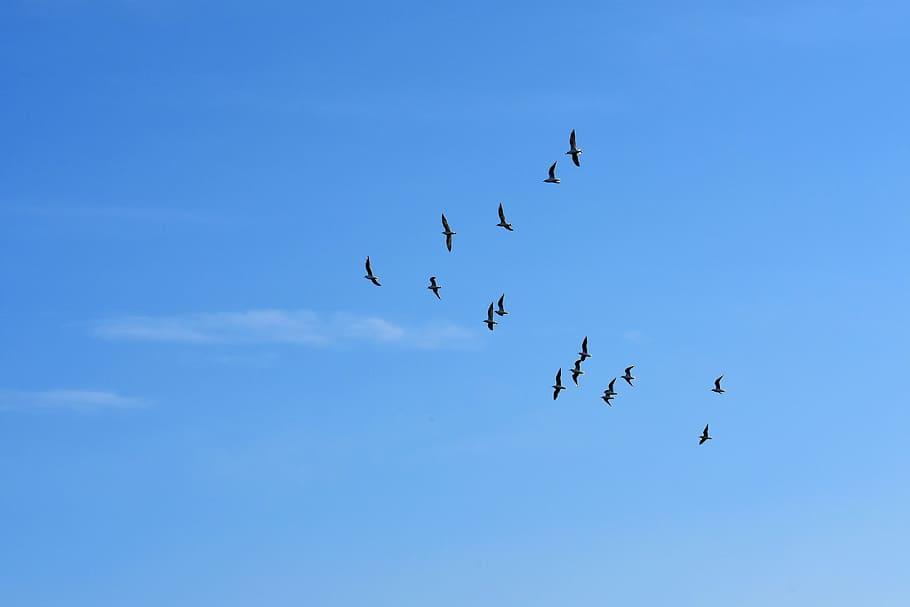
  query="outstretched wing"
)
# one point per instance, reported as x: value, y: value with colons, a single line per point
x: 369, y: 267
x: 445, y: 223
x: 717, y: 382
x: 552, y: 170
x: 572, y: 140
x: 502, y: 214
x: 449, y: 242
x: 576, y: 160
x: 629, y: 370
x: 584, y: 342
x: 490, y: 312
x: 559, y: 377
x: 501, y: 300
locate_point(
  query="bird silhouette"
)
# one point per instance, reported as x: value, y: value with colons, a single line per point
x: 628, y: 375
x: 552, y: 178
x: 584, y: 350
x: 489, y: 321
x: 501, y: 311
x: 370, y: 276
x: 558, y: 386
x: 608, y: 398
x: 447, y: 231
x: 717, y: 387
x: 502, y: 220
x: 704, y: 436
x: 434, y: 287
x: 577, y: 372
x: 574, y: 151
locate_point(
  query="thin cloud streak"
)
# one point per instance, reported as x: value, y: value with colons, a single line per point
x: 77, y: 400
x: 275, y: 326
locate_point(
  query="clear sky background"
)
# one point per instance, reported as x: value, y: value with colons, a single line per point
x: 202, y: 402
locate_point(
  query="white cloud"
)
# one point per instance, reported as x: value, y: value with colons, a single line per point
x: 80, y: 400
x: 301, y: 327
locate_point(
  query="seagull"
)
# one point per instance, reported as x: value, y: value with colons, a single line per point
x: 576, y: 372
x: 552, y: 178
x: 490, y: 322
x: 434, y: 287
x: 502, y: 220
x: 610, y: 389
x: 628, y: 376
x: 373, y: 279
x: 717, y: 387
x: 558, y: 386
x: 502, y: 308
x: 704, y: 436
x: 574, y: 151
x: 447, y: 231
x: 584, y: 350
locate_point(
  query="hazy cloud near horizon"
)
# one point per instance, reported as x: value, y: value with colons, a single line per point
x: 277, y: 326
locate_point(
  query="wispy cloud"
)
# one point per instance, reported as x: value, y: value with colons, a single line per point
x: 300, y: 327
x: 79, y: 400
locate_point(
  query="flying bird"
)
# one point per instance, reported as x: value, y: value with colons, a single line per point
x: 558, y: 386
x: 447, y: 231
x: 576, y: 372
x: 574, y: 151
x: 552, y: 178
x: 434, y: 287
x: 704, y: 436
x: 370, y: 276
x: 489, y: 321
x: 717, y: 387
x: 584, y: 350
x: 608, y: 398
x: 501, y: 305
x: 610, y: 389
x: 628, y: 375
x: 502, y: 220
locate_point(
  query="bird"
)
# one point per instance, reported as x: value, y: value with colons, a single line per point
x: 704, y: 436
x: 489, y: 321
x: 574, y: 151
x: 502, y: 308
x: 584, y: 350
x: 628, y: 375
x: 502, y: 220
x: 447, y: 231
x: 610, y: 389
x: 558, y: 386
x: 552, y: 172
x: 608, y: 397
x: 434, y: 287
x: 370, y: 276
x: 576, y: 372
x: 717, y: 387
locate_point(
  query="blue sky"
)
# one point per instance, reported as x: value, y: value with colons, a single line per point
x: 203, y: 402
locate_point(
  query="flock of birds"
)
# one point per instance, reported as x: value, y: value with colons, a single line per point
x: 499, y: 309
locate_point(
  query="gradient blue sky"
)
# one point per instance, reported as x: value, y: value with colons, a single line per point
x: 202, y: 402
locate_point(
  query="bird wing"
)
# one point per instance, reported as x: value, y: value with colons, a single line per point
x: 576, y: 160
x: 584, y: 342
x: 572, y: 139
x: 717, y: 382
x: 369, y: 267
x: 502, y: 214
x: 445, y: 223
x: 629, y: 369
x: 553, y: 170
x: 705, y: 431
x: 559, y: 377
x: 501, y: 300
x: 612, y: 381
x: 449, y: 242
x: 490, y: 312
